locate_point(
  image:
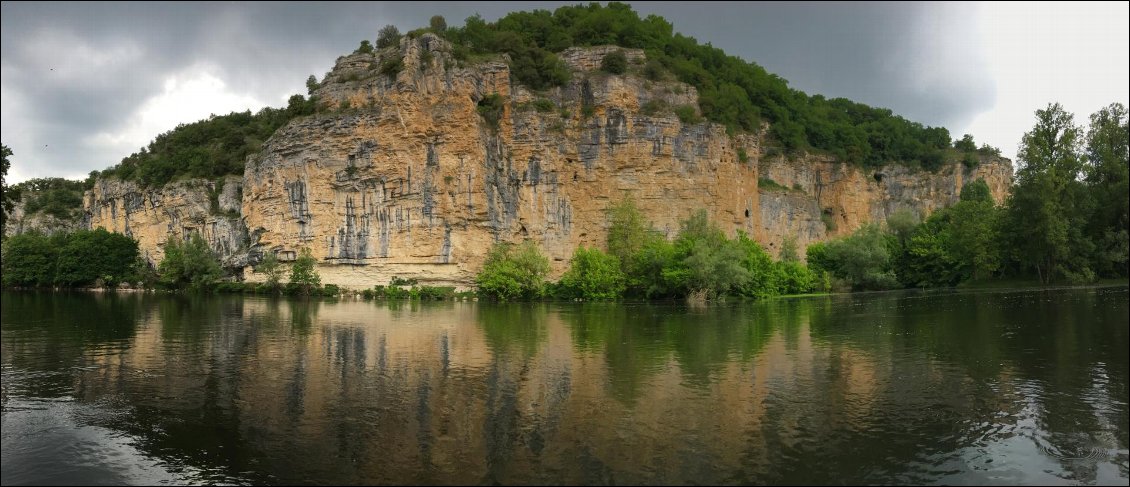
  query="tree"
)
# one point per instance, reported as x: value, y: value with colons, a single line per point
x: 304, y: 277
x: 311, y: 85
x: 710, y: 263
x: 966, y: 144
x: 29, y: 260
x: 272, y: 269
x: 627, y: 230
x: 438, y: 24
x: 513, y: 272
x: 977, y: 191
x: 189, y: 264
x: 364, y: 48
x: 1048, y: 206
x: 388, y: 36
x: 90, y: 255
x: 788, y: 252
x: 1108, y: 181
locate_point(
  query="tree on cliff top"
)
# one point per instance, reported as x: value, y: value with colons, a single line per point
x: 388, y: 36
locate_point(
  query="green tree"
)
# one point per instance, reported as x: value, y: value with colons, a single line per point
x: 977, y: 191
x: 966, y: 144
x: 364, y: 48
x: 974, y: 231
x: 190, y: 264
x: 312, y: 85
x: 593, y: 275
x: 862, y: 258
x: 438, y: 24
x: 304, y: 277
x: 763, y: 280
x: 271, y: 269
x: 1048, y: 205
x: 90, y: 255
x: 628, y: 231
x: 388, y: 36
x: 29, y: 259
x: 902, y: 223
x: 711, y: 264
x: 1108, y: 181
x: 788, y: 251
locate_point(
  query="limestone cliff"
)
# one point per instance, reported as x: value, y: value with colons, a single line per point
x: 178, y: 209
x: 402, y: 176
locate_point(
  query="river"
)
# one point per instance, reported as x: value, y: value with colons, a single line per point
x: 955, y: 387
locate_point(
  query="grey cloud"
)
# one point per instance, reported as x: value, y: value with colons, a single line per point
x: 870, y: 53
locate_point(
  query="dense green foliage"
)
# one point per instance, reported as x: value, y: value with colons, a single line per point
x: 592, y: 275
x: 58, y: 197
x: 700, y: 263
x: 210, y: 148
x: 513, y: 272
x: 732, y: 91
x: 1065, y: 220
x: 189, y: 264
x: 80, y: 258
x: 614, y: 62
x: 304, y: 277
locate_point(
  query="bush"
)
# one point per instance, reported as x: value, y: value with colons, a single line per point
x: 392, y: 66
x: 687, y: 114
x: 544, y: 105
x: 190, y: 264
x: 614, y: 62
x: 513, y: 272
x: 364, y: 48
x: 491, y: 108
x: 436, y: 293
x: 593, y: 275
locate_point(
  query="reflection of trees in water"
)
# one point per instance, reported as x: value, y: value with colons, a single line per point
x: 879, y: 388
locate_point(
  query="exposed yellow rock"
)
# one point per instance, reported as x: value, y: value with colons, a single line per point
x: 413, y: 182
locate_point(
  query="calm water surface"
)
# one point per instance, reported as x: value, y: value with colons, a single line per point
x: 1016, y: 387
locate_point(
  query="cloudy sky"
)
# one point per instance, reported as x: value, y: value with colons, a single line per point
x: 84, y: 84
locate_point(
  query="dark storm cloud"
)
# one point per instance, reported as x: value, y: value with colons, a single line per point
x: 72, y: 70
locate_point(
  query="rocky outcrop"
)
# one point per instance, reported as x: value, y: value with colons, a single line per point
x: 816, y: 197
x: 402, y: 176
x: 19, y: 221
x: 179, y: 209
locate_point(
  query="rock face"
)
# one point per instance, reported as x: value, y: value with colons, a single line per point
x: 402, y: 176
x: 179, y: 209
x: 19, y: 221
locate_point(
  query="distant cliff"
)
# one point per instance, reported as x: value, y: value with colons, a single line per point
x: 407, y: 175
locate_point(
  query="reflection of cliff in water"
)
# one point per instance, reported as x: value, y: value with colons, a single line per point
x: 359, y: 392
